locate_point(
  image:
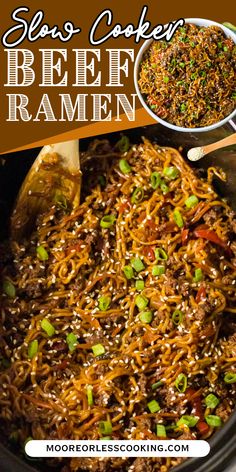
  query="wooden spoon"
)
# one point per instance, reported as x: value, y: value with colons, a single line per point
x: 55, y: 176
x: 197, y: 153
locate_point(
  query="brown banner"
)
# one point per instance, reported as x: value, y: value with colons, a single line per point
x: 35, y: 130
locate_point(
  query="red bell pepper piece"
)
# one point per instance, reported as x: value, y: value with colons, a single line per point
x: 201, y: 294
x: 210, y: 235
x: 202, y: 427
x: 148, y: 251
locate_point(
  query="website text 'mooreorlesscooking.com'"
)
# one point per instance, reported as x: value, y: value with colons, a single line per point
x: 119, y: 448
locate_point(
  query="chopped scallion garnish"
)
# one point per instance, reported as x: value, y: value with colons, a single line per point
x: 33, y: 348
x: 178, y: 218
x: 104, y: 303
x: 158, y: 270
x: 171, y: 172
x: 177, y: 317
x: 181, y: 383
x: 141, y: 302
x: 90, y: 395
x: 105, y: 427
x: 198, y: 275
x: 155, y: 180
x: 98, y: 350
x: 157, y: 384
x: 161, y: 431
x: 137, y: 264
x: 107, y: 221
x: 145, y: 317
x: 191, y: 201
x: 137, y: 195
x: 72, y: 341
x: 153, y: 406
x: 139, y: 284
x: 47, y: 327
x: 213, y: 421
x: 160, y: 254
x: 124, y: 166
x: 8, y: 288
x: 211, y: 401
x: 190, y: 421
x: 123, y: 144
x: 230, y: 377
x: 164, y: 188
x: 42, y: 253
x: 128, y: 271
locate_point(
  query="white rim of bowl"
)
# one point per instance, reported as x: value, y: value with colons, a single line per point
x: 146, y: 44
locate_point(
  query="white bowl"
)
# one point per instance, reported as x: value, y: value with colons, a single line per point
x: 145, y: 46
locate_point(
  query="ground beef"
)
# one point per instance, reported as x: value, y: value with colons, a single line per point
x: 232, y: 344
x: 200, y: 314
x: 142, y: 464
x: 186, y: 435
x: 92, y: 464
x: 222, y: 412
x: 210, y: 216
x: 143, y: 384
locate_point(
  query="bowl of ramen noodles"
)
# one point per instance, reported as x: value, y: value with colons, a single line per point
x: 189, y: 83
x: 118, y: 315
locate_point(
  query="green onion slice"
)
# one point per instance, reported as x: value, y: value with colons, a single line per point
x: 139, y: 284
x: 128, y: 271
x: 190, y: 421
x: 72, y: 341
x: 123, y: 144
x: 171, y: 173
x: 8, y: 288
x: 137, y: 195
x: 157, y: 384
x: 160, y: 254
x: 177, y: 317
x: 141, y: 302
x: 104, y: 303
x: 153, y: 406
x: 178, y: 218
x: 213, y: 421
x: 90, y: 395
x: 33, y: 348
x: 42, y: 253
x: 181, y: 383
x: 47, y: 327
x: 137, y: 264
x: 106, y: 438
x: 158, y: 270
x: 191, y: 201
x: 145, y: 317
x: 107, y: 221
x: 124, y: 166
x: 230, y: 377
x: 98, y: 350
x: 198, y: 275
x: 155, y: 180
x: 161, y: 431
x: 105, y: 427
x: 164, y: 188
x: 211, y: 401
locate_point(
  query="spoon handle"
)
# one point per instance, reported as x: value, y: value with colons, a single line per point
x: 220, y: 144
x: 55, y: 176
